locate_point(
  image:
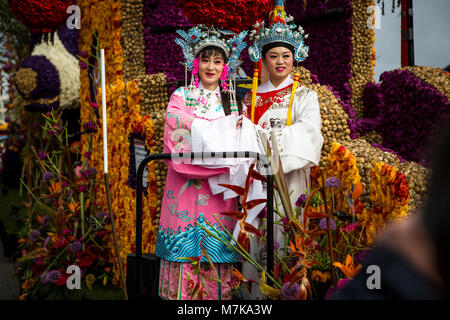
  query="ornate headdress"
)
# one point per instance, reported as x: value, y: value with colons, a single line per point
x: 282, y: 30
x: 200, y: 37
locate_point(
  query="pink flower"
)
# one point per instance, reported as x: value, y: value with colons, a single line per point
x: 351, y: 227
x: 341, y: 283
x: 78, y: 171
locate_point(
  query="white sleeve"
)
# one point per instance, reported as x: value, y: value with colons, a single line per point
x: 300, y: 144
x: 214, y: 136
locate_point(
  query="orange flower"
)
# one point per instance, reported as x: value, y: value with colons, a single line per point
x: 75, y: 147
x: 297, y: 250
x: 73, y: 207
x: 55, y: 187
x: 349, y: 269
x: 320, y: 276
x: 238, y: 275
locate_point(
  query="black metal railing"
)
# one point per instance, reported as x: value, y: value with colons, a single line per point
x: 199, y: 155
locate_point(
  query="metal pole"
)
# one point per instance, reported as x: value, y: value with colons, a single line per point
x: 409, y: 13
x: 200, y: 155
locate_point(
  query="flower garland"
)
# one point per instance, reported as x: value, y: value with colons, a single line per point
x: 389, y: 194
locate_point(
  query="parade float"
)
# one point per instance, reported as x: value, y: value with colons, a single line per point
x: 373, y: 167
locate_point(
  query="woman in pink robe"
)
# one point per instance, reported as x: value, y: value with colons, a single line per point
x: 188, y: 199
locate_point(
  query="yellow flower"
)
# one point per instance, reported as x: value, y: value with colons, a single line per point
x: 27, y: 284
x: 90, y: 279
x: 268, y: 291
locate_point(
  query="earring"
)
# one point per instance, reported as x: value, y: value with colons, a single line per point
x: 223, y: 77
x: 195, y: 71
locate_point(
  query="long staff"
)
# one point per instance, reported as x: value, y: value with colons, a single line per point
x: 105, y: 166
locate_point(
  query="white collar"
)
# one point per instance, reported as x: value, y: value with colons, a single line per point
x: 268, y: 86
x: 201, y: 87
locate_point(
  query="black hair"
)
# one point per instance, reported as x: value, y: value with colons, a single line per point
x: 436, y: 215
x: 271, y: 45
x: 214, y: 51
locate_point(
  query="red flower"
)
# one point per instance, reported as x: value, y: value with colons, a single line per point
x: 85, y: 258
x: 42, y: 15
x: 61, y: 243
x: 62, y: 280
x: 233, y: 15
x: 37, y: 269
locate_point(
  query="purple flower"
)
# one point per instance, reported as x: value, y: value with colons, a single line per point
x: 75, y: 246
x: 42, y: 155
x: 359, y: 256
x: 84, y: 54
x: 276, y: 245
x: 89, y: 126
x: 323, y: 224
x: 34, y: 235
x: 332, y: 182
x: 45, y: 220
x: 289, y: 292
x: 286, y: 224
x: 92, y: 172
x: 87, y: 155
x: 46, y: 241
x: 93, y: 105
x: 263, y: 213
x: 102, y: 215
x: 83, y: 65
x: 51, y: 276
x: 47, y: 176
x: 300, y: 200
x: 85, y: 174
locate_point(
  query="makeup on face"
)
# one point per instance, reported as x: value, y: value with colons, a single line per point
x: 279, y: 62
x: 210, y: 69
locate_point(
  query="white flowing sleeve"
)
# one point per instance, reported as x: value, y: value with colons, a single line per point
x: 300, y: 144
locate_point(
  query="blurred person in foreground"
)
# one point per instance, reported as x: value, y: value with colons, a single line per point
x: 413, y: 255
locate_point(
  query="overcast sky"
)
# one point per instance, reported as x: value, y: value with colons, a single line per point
x: 431, y: 36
